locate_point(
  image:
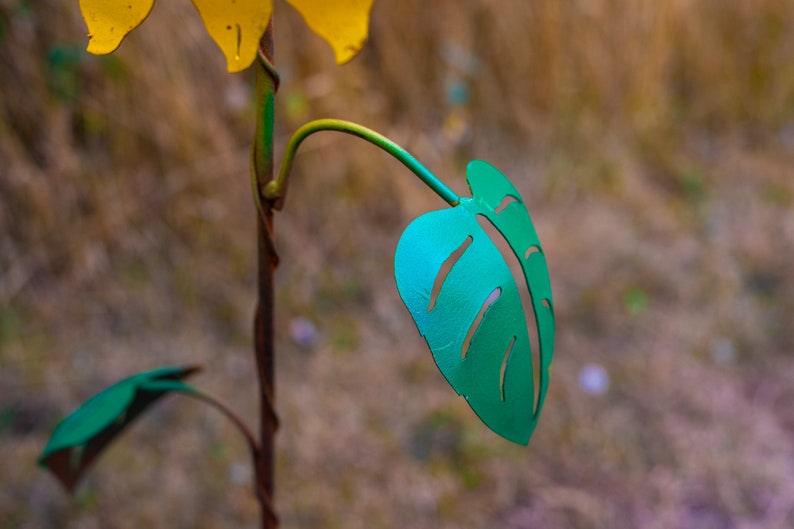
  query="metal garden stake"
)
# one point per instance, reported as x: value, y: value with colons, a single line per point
x: 450, y: 274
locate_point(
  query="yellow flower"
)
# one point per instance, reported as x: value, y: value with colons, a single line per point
x: 235, y: 25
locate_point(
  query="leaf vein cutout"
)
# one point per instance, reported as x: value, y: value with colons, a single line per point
x: 503, y: 371
x: 475, y: 308
x: 532, y: 249
x: 489, y: 301
x: 446, y: 268
x: 506, y: 201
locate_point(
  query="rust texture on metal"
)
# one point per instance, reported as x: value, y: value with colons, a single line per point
x: 262, y: 159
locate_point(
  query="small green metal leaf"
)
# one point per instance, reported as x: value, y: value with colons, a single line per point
x: 82, y: 436
x: 464, y: 300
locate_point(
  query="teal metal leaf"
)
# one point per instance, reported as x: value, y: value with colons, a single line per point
x: 462, y: 295
x: 82, y: 436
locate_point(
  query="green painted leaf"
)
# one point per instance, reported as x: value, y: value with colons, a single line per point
x: 465, y: 302
x: 82, y: 436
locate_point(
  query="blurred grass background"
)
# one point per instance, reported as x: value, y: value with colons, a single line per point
x: 653, y: 142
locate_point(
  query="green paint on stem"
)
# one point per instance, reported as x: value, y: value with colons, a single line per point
x: 267, y: 82
x: 276, y: 190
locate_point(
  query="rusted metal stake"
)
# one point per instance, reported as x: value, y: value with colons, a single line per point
x: 262, y: 160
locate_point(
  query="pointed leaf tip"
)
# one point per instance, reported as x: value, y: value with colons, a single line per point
x: 344, y: 24
x: 236, y: 26
x: 109, y: 21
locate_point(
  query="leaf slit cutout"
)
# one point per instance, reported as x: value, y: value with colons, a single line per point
x: 503, y: 371
x: 513, y: 259
x: 446, y: 267
x: 532, y: 249
x: 490, y: 300
x: 506, y: 201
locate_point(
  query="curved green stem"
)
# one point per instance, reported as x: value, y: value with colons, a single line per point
x: 275, y: 191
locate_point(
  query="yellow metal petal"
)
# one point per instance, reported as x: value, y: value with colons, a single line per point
x: 236, y: 27
x: 344, y: 24
x: 109, y: 21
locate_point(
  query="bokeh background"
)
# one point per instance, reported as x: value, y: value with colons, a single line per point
x: 653, y: 142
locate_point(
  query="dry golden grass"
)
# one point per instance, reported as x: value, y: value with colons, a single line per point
x: 653, y: 142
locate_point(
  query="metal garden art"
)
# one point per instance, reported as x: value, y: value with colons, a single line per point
x: 451, y: 275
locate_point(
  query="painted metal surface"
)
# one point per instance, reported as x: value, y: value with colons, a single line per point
x: 452, y: 277
x: 84, y: 434
x: 236, y: 26
x: 276, y: 190
x: 461, y: 293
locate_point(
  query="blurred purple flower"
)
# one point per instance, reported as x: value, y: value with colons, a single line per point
x: 594, y: 379
x: 303, y: 331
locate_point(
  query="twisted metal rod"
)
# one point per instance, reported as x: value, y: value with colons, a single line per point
x: 267, y: 259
